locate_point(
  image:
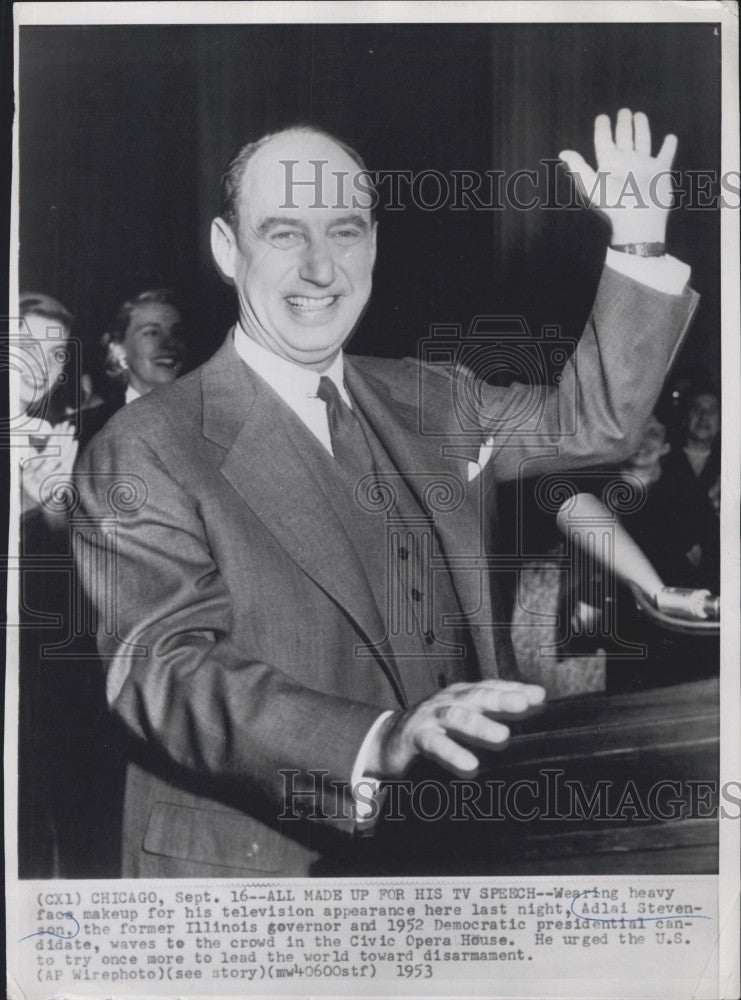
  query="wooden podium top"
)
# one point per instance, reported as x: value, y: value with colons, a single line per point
x: 594, y: 784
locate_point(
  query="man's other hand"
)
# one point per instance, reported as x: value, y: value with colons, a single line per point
x: 445, y: 726
x: 630, y: 188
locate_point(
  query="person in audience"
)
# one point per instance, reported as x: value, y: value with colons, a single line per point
x: 70, y: 772
x: 145, y: 347
x: 669, y: 525
x: 692, y: 475
x: 45, y: 396
x: 46, y: 447
x: 143, y: 350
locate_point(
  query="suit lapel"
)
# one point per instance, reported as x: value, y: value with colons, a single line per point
x: 424, y: 459
x: 270, y: 466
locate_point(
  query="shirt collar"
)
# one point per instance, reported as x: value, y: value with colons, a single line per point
x: 131, y: 394
x: 287, y: 378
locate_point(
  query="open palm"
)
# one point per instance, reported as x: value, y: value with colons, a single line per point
x: 630, y: 188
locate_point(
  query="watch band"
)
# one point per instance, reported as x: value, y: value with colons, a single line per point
x: 641, y: 249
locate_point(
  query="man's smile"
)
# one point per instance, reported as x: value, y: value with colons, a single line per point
x: 309, y: 303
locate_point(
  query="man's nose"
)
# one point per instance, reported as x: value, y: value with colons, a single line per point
x: 317, y: 264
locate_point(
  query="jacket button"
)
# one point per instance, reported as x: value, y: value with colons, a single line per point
x: 404, y: 553
x: 442, y: 680
x: 416, y: 594
x: 429, y: 638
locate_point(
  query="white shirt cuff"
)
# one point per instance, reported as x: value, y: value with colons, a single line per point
x: 365, y: 789
x: 665, y: 274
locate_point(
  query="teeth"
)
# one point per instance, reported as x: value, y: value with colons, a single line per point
x: 309, y: 304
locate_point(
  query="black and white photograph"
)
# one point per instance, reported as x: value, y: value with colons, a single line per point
x: 374, y: 514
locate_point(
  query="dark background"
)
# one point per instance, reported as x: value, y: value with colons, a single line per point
x: 125, y: 131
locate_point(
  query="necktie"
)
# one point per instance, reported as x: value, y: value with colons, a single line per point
x: 349, y: 444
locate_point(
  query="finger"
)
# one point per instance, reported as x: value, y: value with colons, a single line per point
x: 603, y: 144
x: 497, y: 683
x: 642, y: 133
x: 435, y: 745
x: 501, y: 684
x: 665, y: 156
x: 494, y: 702
x: 582, y: 173
x: 66, y: 431
x: 534, y: 693
x: 624, y: 130
x: 472, y: 726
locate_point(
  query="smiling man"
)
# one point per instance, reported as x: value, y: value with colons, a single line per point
x: 302, y: 273
x: 303, y: 603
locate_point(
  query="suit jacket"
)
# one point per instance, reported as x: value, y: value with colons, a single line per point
x: 242, y: 637
x: 91, y: 421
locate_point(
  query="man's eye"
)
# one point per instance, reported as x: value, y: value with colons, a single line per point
x: 347, y: 236
x: 286, y: 238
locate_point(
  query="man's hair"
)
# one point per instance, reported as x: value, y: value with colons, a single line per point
x: 112, y: 357
x: 233, y: 176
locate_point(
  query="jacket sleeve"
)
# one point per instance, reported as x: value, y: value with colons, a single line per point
x: 174, y: 673
x: 605, y: 393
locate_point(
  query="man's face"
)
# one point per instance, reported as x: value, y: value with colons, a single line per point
x: 45, y: 353
x: 703, y: 419
x: 303, y: 273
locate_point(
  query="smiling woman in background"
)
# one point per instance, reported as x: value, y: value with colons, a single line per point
x: 143, y: 350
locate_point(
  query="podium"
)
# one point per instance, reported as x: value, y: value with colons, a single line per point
x: 596, y: 784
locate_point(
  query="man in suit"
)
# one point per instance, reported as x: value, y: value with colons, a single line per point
x: 302, y: 596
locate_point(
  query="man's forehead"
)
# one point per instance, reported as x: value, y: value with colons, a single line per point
x: 300, y: 172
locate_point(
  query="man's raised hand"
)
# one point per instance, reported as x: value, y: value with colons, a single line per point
x: 444, y: 727
x: 630, y: 188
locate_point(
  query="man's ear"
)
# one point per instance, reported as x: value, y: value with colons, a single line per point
x: 224, y: 249
x: 666, y: 448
